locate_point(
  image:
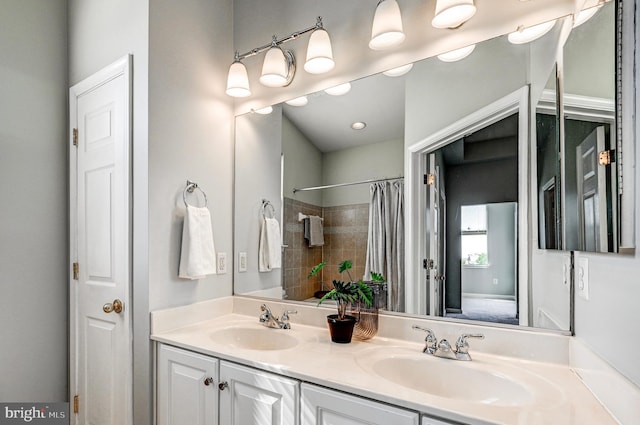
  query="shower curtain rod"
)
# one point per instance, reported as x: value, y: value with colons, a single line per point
x: 329, y: 186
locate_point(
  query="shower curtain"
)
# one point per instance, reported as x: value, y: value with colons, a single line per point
x: 385, y: 246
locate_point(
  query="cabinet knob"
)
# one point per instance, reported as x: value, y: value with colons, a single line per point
x: 223, y: 385
x: 208, y: 381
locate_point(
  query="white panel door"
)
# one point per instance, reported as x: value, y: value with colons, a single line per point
x: 101, y: 358
x: 592, y: 193
x: 187, y: 388
x: 321, y: 406
x: 253, y: 397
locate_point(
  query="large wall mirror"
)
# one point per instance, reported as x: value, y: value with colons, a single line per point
x: 580, y: 157
x: 330, y: 169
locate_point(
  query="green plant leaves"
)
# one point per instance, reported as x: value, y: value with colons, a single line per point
x: 316, y: 269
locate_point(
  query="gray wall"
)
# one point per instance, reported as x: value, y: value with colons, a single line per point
x: 257, y: 175
x: 365, y: 162
x: 302, y: 165
x: 33, y: 188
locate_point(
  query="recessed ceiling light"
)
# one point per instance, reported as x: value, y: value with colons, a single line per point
x: 339, y: 90
x: 456, y: 55
x: 298, y: 101
x: 359, y: 125
x: 401, y: 70
x: 264, y: 111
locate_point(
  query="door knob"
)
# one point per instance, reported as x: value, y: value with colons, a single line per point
x: 208, y: 381
x: 116, y: 306
x: 222, y: 385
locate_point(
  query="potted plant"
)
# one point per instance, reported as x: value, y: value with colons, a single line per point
x: 344, y: 293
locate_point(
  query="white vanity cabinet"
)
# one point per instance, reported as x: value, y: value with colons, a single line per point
x: 250, y: 396
x: 322, y: 406
x: 187, y: 390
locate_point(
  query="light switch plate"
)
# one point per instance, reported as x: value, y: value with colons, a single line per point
x: 242, y: 262
x: 222, y: 262
x: 582, y: 277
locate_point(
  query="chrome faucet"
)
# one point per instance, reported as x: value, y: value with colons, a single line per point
x: 443, y: 348
x: 269, y: 320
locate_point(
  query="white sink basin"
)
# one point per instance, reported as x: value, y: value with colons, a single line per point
x: 472, y: 382
x: 254, y: 338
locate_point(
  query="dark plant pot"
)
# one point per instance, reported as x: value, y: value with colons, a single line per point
x: 341, y: 330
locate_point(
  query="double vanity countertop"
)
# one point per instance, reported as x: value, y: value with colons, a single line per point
x: 532, y: 386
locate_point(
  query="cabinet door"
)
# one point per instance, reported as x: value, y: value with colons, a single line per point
x: 254, y: 397
x: 187, y: 388
x: 321, y: 406
x: 426, y: 420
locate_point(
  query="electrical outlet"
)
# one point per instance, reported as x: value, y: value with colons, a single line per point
x: 242, y: 262
x: 222, y: 262
x: 495, y: 280
x: 582, y: 277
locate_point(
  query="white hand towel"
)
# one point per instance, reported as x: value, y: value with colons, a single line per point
x: 313, y: 230
x: 269, y: 250
x: 198, y: 256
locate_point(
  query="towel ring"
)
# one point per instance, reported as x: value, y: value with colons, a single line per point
x: 191, y: 186
x: 267, y: 205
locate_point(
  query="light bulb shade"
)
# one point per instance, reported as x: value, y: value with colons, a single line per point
x: 278, y: 68
x: 319, y: 53
x: 339, y: 90
x: 238, y: 81
x: 585, y: 15
x: 386, y: 30
x: 526, y: 35
x: 401, y: 70
x: 264, y: 111
x: 458, y: 54
x: 298, y: 101
x: 453, y: 13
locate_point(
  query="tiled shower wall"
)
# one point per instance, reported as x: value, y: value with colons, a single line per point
x: 345, y: 238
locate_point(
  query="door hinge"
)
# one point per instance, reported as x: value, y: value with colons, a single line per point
x: 427, y: 264
x: 76, y: 404
x: 75, y: 137
x: 606, y: 157
x: 429, y: 179
x: 76, y: 271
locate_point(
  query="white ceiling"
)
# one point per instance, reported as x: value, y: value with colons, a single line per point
x: 377, y: 100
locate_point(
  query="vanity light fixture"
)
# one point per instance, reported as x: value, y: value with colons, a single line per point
x: 584, y: 15
x: 339, y: 90
x: 298, y: 101
x: 457, y: 54
x: 279, y: 65
x: 237, y: 79
x: 525, y: 35
x: 264, y: 111
x: 386, y: 31
x: 453, y: 13
x: 396, y: 72
x: 359, y: 125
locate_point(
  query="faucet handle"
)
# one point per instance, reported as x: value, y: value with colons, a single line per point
x: 284, y: 320
x: 286, y: 313
x: 431, y: 339
x: 462, y: 346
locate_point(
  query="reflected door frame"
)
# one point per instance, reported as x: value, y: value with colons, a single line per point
x: 416, y: 249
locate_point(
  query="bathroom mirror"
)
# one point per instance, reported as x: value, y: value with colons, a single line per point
x: 266, y: 143
x: 578, y: 192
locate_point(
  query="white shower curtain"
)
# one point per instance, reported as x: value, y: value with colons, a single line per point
x: 385, y: 246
